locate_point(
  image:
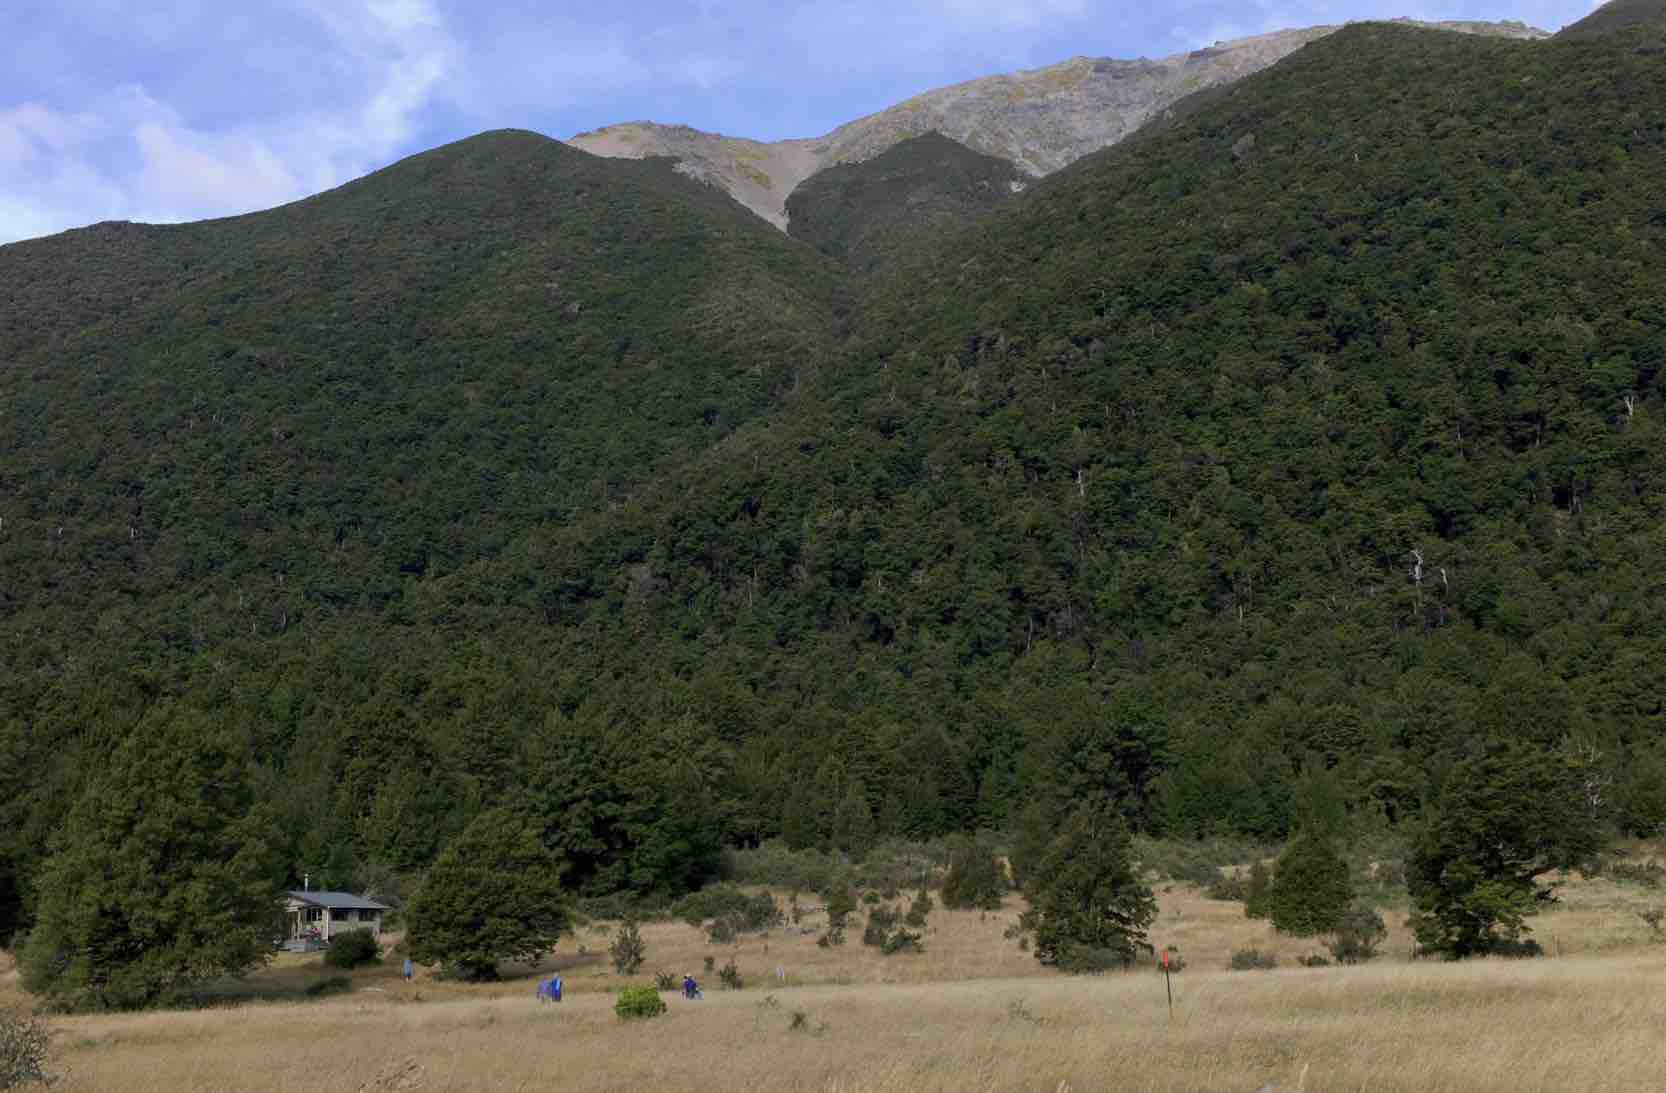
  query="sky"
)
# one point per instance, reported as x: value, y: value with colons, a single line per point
x: 172, y: 110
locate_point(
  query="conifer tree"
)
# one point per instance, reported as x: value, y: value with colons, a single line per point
x: 493, y: 894
x: 1310, y: 890
x: 162, y: 877
x: 1257, y: 891
x: 1088, y: 910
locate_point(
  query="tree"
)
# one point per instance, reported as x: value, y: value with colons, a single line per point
x: 1310, y: 889
x: 1503, y: 819
x: 1257, y: 891
x: 493, y: 894
x: 975, y: 878
x: 853, y: 825
x: 627, y: 949
x: 1088, y: 910
x: 162, y: 876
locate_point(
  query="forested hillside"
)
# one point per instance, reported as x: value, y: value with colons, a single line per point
x: 1259, y: 467
x: 899, y: 203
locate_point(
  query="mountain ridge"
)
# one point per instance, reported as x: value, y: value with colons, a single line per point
x: 1039, y: 119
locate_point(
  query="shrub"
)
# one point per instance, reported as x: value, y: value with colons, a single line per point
x: 975, y: 878
x: 335, y: 984
x: 1357, y: 936
x: 881, y: 920
x: 23, y: 1046
x: 918, y: 909
x: 638, y: 1002
x: 1177, y: 963
x: 1250, y: 960
x: 1257, y: 891
x: 901, y: 941
x: 1643, y: 874
x: 1227, y: 886
x: 353, y: 949
x: 726, y: 911
x: 711, y: 962
x: 1310, y: 889
x: 1313, y: 960
x: 665, y: 981
x: 839, y: 907
x: 800, y: 1022
x: 627, y: 949
x: 729, y: 976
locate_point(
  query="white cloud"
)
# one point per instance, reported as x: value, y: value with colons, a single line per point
x: 129, y: 156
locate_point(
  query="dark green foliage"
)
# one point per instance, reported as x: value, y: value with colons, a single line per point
x: 353, y: 949
x: 493, y: 894
x: 665, y: 981
x: 24, y: 1045
x: 887, y: 932
x: 975, y: 877
x: 725, y: 911
x: 918, y: 908
x: 840, y: 904
x: 1310, y: 888
x: 514, y: 476
x: 323, y: 988
x: 628, y: 949
x: 1258, y: 890
x: 890, y: 208
x: 730, y: 977
x: 1503, y: 819
x: 1252, y: 960
x: 162, y: 876
x: 1616, y: 15
x: 1087, y: 909
x: 1355, y: 938
x: 636, y: 1003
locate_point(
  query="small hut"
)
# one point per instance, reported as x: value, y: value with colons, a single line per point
x: 315, y: 917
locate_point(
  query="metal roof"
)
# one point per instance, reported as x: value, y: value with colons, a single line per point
x: 338, y: 900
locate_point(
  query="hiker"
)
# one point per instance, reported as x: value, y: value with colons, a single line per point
x: 691, y: 989
x: 555, y: 988
x: 409, y: 970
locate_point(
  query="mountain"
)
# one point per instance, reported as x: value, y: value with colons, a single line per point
x: 1041, y: 120
x: 896, y: 203
x: 1253, y: 472
x: 1616, y: 15
x: 316, y: 403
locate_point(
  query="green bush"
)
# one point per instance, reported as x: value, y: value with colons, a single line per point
x: 335, y: 984
x: 638, y: 1002
x: 665, y: 981
x: 1257, y: 891
x: 1313, y: 960
x: 353, y: 949
x: 1311, y: 890
x: 725, y: 911
x: 918, y: 909
x: 627, y: 950
x: 729, y: 976
x: 1250, y: 960
x: 975, y: 878
x: 23, y: 1047
x: 1357, y: 936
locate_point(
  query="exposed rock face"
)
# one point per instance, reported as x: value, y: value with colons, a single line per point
x: 1041, y: 120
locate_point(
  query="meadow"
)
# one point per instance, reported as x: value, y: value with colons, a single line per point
x: 972, y: 1012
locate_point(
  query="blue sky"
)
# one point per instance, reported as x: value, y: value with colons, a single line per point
x: 183, y: 109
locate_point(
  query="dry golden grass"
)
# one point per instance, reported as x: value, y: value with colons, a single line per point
x: 972, y: 1013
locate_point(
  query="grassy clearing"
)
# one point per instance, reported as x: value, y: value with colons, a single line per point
x: 971, y: 1013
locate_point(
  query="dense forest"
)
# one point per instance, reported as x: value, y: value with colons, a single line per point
x: 1268, y: 464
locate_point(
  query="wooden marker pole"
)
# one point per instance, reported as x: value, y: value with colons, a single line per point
x: 1168, y: 982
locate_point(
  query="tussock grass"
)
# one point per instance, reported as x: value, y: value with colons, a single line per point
x: 971, y: 1013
